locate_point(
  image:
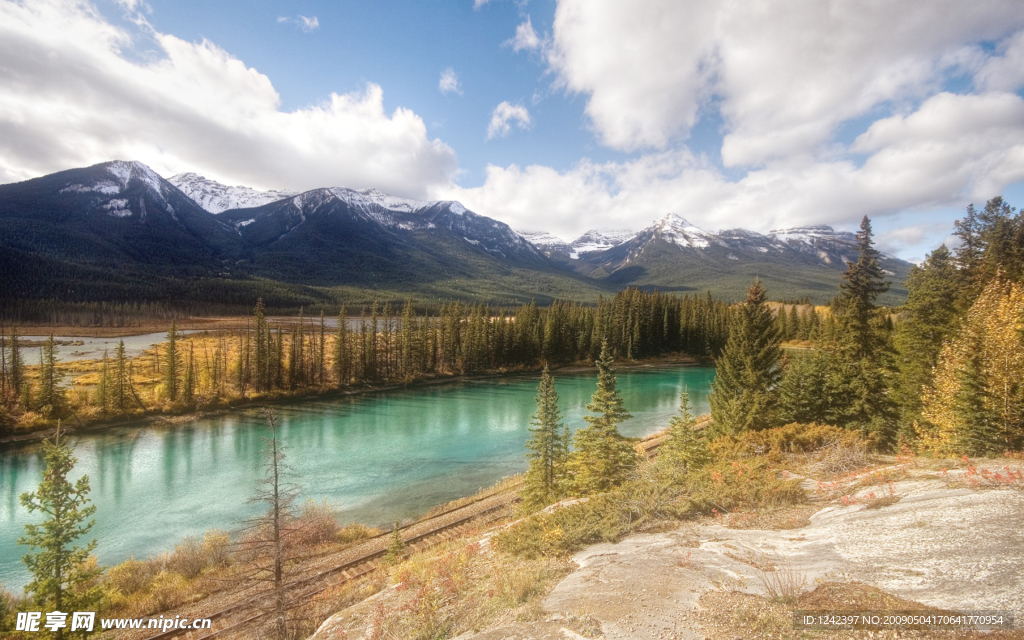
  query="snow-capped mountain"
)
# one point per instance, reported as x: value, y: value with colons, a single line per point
x: 680, y: 232
x: 599, y: 240
x: 216, y: 197
x: 546, y: 242
x: 590, y: 242
x: 270, y: 223
x: 114, y: 213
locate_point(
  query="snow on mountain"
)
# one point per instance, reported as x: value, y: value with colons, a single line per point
x: 808, y: 235
x: 599, y: 240
x: 546, y: 241
x: 123, y: 172
x: 216, y: 197
x: 680, y: 232
x: 392, y: 212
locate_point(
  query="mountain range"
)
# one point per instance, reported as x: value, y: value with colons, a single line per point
x: 118, y: 231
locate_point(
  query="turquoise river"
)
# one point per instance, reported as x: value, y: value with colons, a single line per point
x: 379, y: 457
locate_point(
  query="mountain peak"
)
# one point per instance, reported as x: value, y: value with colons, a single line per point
x: 217, y: 198
x: 681, y: 232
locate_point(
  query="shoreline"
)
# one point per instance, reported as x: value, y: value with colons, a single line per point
x: 169, y: 419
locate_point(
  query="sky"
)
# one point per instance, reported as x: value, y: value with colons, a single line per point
x: 549, y: 115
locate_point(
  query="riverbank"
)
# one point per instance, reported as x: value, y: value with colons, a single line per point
x: 284, y: 398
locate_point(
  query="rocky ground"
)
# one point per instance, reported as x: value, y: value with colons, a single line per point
x: 934, y: 538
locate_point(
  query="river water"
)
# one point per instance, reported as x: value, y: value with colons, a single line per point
x: 379, y: 457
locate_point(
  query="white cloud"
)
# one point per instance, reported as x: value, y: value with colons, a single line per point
x: 783, y: 74
x: 503, y: 116
x: 69, y: 98
x: 525, y: 38
x: 449, y: 82
x: 1004, y: 72
x: 479, y: 3
x: 306, y: 24
x: 952, y: 150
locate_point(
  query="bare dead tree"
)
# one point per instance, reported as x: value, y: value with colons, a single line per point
x: 268, y: 540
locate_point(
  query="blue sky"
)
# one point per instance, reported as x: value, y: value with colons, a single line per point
x: 565, y: 115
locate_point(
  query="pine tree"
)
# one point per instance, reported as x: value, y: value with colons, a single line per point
x: 119, y: 388
x: 103, y: 385
x: 978, y: 432
x: 263, y: 348
x: 188, y: 384
x: 62, y: 580
x: 812, y: 389
x: 172, y: 364
x: 929, y: 317
x: 15, y: 367
x: 742, y: 396
x: 548, y: 446
x: 863, y: 345
x: 602, y: 457
x: 855, y: 307
x: 686, y: 448
x: 51, y: 396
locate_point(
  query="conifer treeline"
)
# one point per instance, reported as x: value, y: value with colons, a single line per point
x: 387, y: 344
x: 946, y: 378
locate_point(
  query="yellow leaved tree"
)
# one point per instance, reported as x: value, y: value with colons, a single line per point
x: 975, y: 405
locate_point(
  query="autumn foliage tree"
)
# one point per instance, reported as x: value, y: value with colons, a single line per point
x: 976, y: 402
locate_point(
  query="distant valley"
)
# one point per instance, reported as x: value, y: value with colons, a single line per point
x: 117, y: 231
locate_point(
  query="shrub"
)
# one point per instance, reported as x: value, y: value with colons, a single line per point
x: 740, y: 484
x: 169, y: 590
x: 790, y: 439
x: 129, y: 577
x: 317, y: 524
x: 216, y: 548
x: 354, y: 532
x: 187, y: 559
x: 654, y: 493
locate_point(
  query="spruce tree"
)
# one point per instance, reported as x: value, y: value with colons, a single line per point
x: 977, y: 423
x: 602, y: 457
x: 811, y: 389
x: 548, y: 445
x: 263, y: 348
x: 51, y: 396
x: 62, y: 580
x: 855, y: 307
x: 172, y: 364
x: 103, y: 385
x: 686, y: 448
x: 863, y: 345
x: 15, y: 367
x: 188, y: 383
x: 743, y: 394
x: 119, y: 387
x: 929, y: 317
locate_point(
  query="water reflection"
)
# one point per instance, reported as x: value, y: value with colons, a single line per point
x: 380, y: 457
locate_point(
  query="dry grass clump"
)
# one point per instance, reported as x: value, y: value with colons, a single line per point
x: 198, y: 567
x: 655, y: 494
x: 794, y: 438
x: 458, y: 588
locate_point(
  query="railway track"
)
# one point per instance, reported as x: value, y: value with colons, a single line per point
x: 424, y: 534
x: 418, y: 536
